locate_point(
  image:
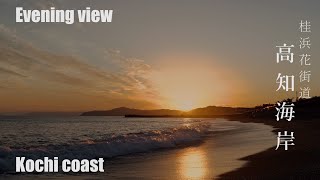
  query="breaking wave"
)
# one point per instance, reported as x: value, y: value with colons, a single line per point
x: 108, y: 148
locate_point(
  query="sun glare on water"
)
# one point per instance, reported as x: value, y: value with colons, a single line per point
x: 192, y: 164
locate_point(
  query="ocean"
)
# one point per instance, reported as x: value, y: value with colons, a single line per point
x: 88, y: 137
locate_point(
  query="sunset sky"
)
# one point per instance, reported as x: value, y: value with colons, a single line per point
x: 168, y: 54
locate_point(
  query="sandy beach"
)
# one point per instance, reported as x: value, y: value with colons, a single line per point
x: 301, y: 161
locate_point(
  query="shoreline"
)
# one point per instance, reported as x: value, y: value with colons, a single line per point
x: 220, y: 152
x: 299, y: 162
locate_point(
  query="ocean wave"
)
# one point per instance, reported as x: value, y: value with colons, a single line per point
x: 108, y: 148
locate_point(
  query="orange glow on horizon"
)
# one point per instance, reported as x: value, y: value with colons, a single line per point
x: 186, y: 83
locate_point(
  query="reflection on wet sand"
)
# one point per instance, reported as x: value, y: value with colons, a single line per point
x: 192, y: 164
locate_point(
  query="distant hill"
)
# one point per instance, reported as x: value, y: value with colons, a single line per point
x: 218, y: 110
x: 207, y: 111
x: 122, y: 111
x: 304, y: 109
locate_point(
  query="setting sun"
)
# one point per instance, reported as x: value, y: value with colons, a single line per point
x: 190, y: 84
x: 186, y: 106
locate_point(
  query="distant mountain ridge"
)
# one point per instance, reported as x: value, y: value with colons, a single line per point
x: 122, y: 111
x: 218, y: 110
x: 206, y: 111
